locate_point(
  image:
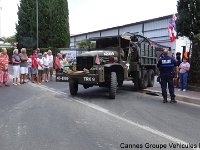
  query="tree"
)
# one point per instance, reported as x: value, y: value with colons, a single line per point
x: 86, y: 44
x: 26, y: 27
x: 60, y: 35
x: 53, y: 24
x: 188, y: 23
x: 10, y: 39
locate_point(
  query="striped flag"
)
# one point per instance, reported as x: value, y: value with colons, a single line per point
x: 172, y: 28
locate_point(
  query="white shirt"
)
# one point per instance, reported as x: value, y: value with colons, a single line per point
x: 29, y: 62
x: 40, y: 62
x: 183, y: 67
x: 46, y: 62
x: 50, y: 57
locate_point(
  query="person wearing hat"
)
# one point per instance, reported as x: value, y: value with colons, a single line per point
x: 166, y: 66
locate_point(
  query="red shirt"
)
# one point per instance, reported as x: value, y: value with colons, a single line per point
x: 34, y: 62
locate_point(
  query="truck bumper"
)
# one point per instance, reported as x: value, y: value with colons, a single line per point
x: 85, y: 79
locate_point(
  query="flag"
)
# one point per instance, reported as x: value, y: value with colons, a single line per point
x: 172, y: 28
x: 97, y: 61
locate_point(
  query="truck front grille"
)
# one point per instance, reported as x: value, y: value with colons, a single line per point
x: 84, y: 62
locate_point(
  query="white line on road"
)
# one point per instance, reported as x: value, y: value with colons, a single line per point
x: 146, y: 128
x: 105, y: 111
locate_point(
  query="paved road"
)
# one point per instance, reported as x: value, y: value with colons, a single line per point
x: 46, y: 117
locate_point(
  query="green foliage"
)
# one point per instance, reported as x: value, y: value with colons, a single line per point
x: 60, y: 36
x: 197, y: 36
x: 9, y: 52
x: 26, y: 27
x: 188, y: 22
x: 86, y: 44
x: 10, y: 39
x: 53, y: 23
x: 195, y: 63
x: 188, y: 17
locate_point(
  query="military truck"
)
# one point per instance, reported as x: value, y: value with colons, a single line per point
x: 114, y: 60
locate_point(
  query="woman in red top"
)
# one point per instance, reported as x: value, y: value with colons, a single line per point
x: 4, y: 76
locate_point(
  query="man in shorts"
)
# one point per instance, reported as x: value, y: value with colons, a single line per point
x: 34, y: 67
x: 46, y: 67
x: 23, y: 65
x: 50, y: 57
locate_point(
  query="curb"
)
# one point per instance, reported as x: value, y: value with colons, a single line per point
x: 187, y: 99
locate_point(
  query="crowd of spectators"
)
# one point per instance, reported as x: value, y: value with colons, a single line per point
x: 37, y: 67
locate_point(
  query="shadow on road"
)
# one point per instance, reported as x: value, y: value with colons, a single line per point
x: 101, y: 93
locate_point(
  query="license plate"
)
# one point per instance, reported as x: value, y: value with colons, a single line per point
x: 89, y: 79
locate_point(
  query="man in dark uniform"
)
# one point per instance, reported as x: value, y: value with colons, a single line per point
x: 166, y: 66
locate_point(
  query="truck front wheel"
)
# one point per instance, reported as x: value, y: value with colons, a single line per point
x: 143, y: 82
x: 73, y: 87
x: 151, y: 76
x: 113, y: 85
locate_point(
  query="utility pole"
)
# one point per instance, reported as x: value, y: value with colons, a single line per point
x: 37, y: 23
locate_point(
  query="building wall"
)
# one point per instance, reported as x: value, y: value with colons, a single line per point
x: 132, y: 29
x: 154, y: 29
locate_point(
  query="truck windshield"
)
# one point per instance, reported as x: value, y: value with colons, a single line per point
x: 109, y: 42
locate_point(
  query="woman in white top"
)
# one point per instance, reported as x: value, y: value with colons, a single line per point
x: 184, y: 69
x: 40, y: 68
x: 16, y: 67
x: 46, y: 67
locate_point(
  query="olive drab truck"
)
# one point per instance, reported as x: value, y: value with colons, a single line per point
x: 114, y: 60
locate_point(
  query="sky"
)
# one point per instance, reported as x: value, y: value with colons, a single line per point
x: 90, y: 15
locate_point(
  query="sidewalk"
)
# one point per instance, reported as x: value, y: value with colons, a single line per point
x: 188, y: 96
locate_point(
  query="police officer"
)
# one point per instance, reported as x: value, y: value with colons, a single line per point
x: 166, y: 66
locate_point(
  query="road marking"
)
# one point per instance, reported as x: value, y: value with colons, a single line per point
x: 107, y: 112
x: 146, y: 128
x: 21, y: 129
x: 125, y: 113
x: 96, y: 107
